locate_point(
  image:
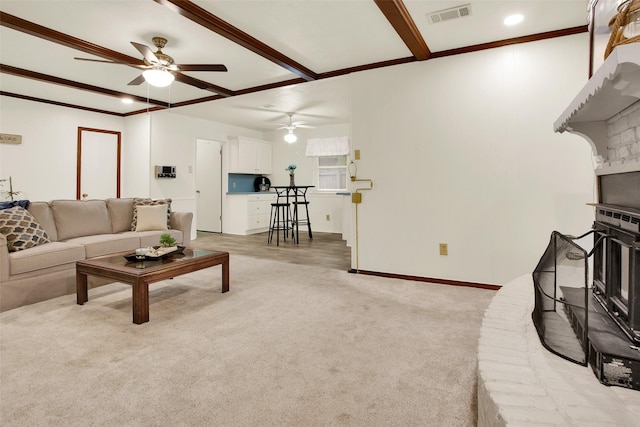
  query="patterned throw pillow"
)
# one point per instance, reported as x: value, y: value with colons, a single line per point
x: 149, y: 202
x: 21, y: 229
x: 12, y: 203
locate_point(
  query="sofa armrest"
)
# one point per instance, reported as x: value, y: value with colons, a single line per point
x: 4, y: 259
x: 182, y: 221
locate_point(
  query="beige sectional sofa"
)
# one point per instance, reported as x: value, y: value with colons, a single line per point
x: 77, y: 229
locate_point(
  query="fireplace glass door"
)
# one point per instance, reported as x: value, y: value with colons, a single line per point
x: 619, y: 279
x: 616, y: 280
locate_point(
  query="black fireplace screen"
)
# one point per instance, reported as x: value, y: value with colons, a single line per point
x: 561, y: 281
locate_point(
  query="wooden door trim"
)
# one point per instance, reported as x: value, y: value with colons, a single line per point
x: 79, y: 158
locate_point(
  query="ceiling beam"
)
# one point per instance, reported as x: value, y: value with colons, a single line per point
x: 59, y: 104
x: 54, y: 36
x: 398, y: 16
x: 20, y: 72
x: 211, y: 22
x: 200, y: 84
x: 515, y: 40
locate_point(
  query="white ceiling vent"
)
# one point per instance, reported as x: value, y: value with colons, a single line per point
x: 449, y: 14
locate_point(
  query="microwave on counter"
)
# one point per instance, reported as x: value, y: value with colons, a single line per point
x: 165, y: 171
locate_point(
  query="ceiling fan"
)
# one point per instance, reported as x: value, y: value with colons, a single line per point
x: 159, y: 68
x: 291, y: 137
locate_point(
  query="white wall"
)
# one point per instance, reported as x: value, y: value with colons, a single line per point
x: 462, y: 151
x: 320, y: 204
x: 136, y: 151
x: 43, y: 167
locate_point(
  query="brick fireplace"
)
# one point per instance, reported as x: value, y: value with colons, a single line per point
x: 592, y: 284
x: 595, y: 292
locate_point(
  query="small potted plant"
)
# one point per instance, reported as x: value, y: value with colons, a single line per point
x: 166, y: 241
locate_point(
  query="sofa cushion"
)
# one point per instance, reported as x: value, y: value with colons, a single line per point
x: 75, y: 218
x: 44, y: 256
x: 104, y: 244
x: 151, y: 218
x: 149, y: 202
x: 121, y: 214
x: 42, y: 212
x: 21, y: 229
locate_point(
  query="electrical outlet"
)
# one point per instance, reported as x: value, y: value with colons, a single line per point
x: 356, y: 154
x: 328, y: 217
x: 444, y: 249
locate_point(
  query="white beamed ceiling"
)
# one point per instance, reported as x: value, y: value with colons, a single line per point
x: 321, y: 35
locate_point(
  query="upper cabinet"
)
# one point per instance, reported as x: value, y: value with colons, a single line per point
x: 248, y: 155
x: 605, y: 112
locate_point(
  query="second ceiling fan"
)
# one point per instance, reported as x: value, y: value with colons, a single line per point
x: 159, y: 68
x: 291, y: 137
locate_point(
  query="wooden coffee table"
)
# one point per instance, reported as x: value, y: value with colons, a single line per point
x: 140, y: 274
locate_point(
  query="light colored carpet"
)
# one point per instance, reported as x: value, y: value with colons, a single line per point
x: 287, y: 346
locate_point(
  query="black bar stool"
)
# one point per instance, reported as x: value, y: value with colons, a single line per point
x: 301, y: 221
x: 279, y: 219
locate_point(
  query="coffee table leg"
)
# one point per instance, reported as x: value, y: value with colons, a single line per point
x: 82, y: 294
x: 225, y: 276
x: 140, y: 302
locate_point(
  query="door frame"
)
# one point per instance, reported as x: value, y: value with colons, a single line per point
x: 79, y: 158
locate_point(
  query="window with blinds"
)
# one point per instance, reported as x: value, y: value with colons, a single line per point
x: 332, y: 173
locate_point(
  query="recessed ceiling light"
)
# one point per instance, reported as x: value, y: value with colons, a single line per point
x: 127, y: 101
x: 513, y: 19
x: 268, y: 106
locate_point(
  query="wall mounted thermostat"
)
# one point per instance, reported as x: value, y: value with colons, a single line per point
x: 165, y: 171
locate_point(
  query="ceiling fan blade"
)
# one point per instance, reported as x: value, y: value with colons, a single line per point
x: 137, y: 81
x: 146, y: 52
x: 104, y: 61
x: 202, y: 67
x: 282, y: 127
x: 305, y: 126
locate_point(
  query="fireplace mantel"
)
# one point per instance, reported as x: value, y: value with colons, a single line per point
x: 611, y: 90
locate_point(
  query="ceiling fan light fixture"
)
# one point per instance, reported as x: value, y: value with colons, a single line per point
x: 158, y: 77
x: 290, y: 137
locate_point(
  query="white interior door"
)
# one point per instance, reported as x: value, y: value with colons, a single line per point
x: 98, y: 164
x: 209, y: 185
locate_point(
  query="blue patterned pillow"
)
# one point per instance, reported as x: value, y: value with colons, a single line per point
x: 12, y: 203
x: 21, y: 229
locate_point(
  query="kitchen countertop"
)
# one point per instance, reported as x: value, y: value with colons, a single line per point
x: 249, y: 192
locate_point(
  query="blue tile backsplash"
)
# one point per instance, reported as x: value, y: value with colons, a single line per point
x: 241, y: 183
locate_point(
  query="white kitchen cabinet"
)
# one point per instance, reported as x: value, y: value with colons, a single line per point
x: 248, y: 213
x: 248, y: 155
